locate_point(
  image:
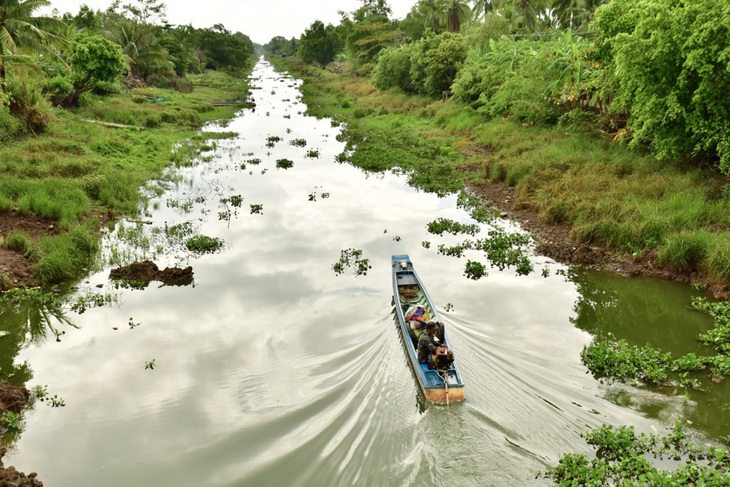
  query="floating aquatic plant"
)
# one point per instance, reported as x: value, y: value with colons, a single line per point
x: 202, y: 244
x: 284, y: 163
x: 352, y: 258
x: 298, y: 142
x: 441, y: 225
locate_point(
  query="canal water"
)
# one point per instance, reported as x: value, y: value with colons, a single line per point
x: 271, y: 369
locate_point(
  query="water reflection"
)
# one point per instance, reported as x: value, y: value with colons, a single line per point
x: 658, y: 313
x: 640, y: 311
x: 25, y: 321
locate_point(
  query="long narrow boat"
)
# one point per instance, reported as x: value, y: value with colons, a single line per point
x: 441, y: 386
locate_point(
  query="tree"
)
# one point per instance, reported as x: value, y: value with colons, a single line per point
x: 92, y: 59
x: 481, y: 8
x: 143, y: 53
x: 223, y: 49
x: 318, y: 43
x: 455, y: 13
x: 575, y: 14
x: 370, y: 31
x: 86, y: 19
x: 670, y: 61
x: 524, y: 14
x: 19, y: 29
x: 431, y: 11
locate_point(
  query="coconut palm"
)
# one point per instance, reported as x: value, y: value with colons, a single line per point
x: 430, y: 10
x: 575, y: 13
x: 143, y: 53
x: 20, y: 30
x: 525, y: 15
x: 481, y: 7
x: 455, y: 13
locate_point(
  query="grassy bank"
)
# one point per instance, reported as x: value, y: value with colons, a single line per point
x: 606, y: 194
x: 89, y: 165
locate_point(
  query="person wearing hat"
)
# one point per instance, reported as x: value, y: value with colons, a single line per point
x: 428, y: 343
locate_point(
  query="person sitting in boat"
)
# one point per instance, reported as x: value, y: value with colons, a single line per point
x: 416, y: 316
x: 428, y: 343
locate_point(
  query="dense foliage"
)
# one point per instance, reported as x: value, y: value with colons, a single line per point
x: 92, y: 59
x: 318, y: 43
x: 426, y: 66
x: 652, y: 72
x: 670, y: 64
x: 59, y: 58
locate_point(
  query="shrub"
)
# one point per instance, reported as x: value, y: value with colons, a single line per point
x: 509, y: 80
x: 394, y: 69
x: 57, y: 88
x: 670, y: 63
x: 436, y: 61
x: 28, y: 104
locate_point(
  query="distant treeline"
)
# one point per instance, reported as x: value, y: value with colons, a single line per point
x: 58, y: 58
x: 651, y: 72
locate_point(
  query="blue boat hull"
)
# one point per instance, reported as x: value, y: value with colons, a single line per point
x: 437, y: 386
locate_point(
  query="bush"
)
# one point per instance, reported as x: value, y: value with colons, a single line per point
x: 670, y: 63
x: 436, y: 61
x: 394, y: 69
x: 510, y: 80
x: 57, y: 88
x: 28, y: 104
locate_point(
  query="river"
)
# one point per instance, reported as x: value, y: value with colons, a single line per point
x: 273, y: 370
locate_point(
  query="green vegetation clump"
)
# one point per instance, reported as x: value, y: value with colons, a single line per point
x: 284, y: 163
x: 624, y: 458
x: 203, y: 244
x: 352, y: 258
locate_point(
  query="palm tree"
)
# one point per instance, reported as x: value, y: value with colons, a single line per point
x: 575, y: 14
x: 481, y: 7
x: 455, y: 13
x: 143, y: 53
x: 19, y: 29
x: 525, y: 15
x: 430, y: 10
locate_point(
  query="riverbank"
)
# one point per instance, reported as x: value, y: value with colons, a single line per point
x: 588, y: 200
x: 90, y: 167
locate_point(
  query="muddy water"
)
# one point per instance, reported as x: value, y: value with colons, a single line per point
x: 272, y: 370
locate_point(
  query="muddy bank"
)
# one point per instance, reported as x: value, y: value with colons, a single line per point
x: 557, y: 243
x: 13, y: 399
x: 16, y: 270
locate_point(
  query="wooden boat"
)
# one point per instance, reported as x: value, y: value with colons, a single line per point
x: 440, y: 386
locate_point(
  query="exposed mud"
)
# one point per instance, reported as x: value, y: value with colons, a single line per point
x: 13, y: 399
x: 147, y: 271
x: 15, y: 268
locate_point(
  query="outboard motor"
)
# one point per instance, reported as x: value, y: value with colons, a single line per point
x: 444, y: 358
